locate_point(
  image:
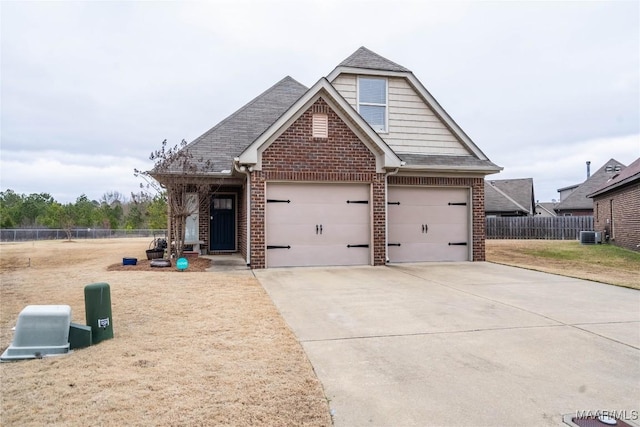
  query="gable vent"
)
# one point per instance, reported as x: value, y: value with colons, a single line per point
x: 320, y: 125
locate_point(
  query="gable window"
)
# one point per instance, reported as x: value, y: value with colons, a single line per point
x: 320, y: 125
x: 372, y: 102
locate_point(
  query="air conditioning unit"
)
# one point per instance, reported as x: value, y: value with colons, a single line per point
x: 590, y: 237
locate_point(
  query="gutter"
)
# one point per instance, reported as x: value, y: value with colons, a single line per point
x: 246, y: 171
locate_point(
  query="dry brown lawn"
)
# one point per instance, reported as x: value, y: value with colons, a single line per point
x: 600, y: 263
x: 190, y: 348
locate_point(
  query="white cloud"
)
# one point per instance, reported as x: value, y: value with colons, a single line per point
x: 66, y: 176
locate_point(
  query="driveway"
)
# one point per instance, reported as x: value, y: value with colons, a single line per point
x: 448, y: 344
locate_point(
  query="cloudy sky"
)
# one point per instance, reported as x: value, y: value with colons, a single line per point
x: 89, y: 89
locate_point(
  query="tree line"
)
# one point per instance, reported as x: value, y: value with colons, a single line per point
x: 112, y: 211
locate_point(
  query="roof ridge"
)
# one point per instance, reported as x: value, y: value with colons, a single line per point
x: 368, y: 59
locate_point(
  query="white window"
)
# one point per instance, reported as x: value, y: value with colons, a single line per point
x: 320, y: 125
x: 191, y: 232
x: 372, y: 102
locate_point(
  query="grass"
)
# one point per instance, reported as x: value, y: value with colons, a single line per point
x: 601, y: 263
x: 189, y: 348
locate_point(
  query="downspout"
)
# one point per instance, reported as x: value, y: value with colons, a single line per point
x: 386, y: 211
x: 246, y: 171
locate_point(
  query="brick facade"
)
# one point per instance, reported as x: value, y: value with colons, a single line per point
x: 298, y: 157
x: 616, y: 215
x: 477, y: 199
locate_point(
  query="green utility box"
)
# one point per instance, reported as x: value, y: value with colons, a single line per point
x: 79, y: 336
x: 97, y: 306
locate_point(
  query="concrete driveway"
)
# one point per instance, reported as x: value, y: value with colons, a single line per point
x: 462, y: 343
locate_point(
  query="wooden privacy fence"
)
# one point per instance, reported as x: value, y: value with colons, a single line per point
x: 535, y: 227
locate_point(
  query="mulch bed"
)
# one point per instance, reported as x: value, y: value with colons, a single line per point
x: 195, y: 265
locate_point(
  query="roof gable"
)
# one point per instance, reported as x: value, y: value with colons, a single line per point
x: 226, y: 140
x: 366, y: 62
x: 547, y: 207
x: 520, y: 190
x: 509, y: 195
x: 578, y: 198
x: 385, y: 157
x: 628, y: 175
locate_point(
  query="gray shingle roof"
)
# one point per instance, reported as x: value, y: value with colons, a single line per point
x: 628, y: 175
x: 508, y: 195
x: 364, y: 58
x: 548, y: 206
x: 578, y: 198
x: 232, y: 135
x: 496, y: 201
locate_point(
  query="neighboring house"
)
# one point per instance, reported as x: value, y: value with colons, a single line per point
x: 617, y: 208
x: 565, y: 191
x: 365, y: 167
x: 545, y: 209
x: 574, y: 200
x: 509, y: 197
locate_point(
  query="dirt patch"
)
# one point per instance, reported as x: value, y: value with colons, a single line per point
x: 189, y: 349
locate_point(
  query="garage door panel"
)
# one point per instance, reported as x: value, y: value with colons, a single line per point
x: 317, y: 224
x: 413, y: 233
x: 421, y: 252
x: 315, y: 255
x: 428, y: 224
x: 436, y: 196
x: 428, y: 214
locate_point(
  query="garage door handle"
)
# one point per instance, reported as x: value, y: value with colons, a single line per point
x: 393, y: 244
x: 278, y: 247
x: 357, y: 246
x: 425, y: 228
x: 457, y: 243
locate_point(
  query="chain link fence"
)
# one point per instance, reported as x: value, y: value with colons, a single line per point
x: 29, y: 234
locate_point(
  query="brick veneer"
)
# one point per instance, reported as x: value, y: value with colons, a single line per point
x: 621, y: 206
x: 298, y: 157
x: 477, y: 199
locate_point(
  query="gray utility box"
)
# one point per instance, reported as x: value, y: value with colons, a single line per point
x: 41, y: 330
x: 97, y: 305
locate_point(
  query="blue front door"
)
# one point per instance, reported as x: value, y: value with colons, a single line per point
x: 222, y: 228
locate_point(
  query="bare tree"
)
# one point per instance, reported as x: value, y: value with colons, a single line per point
x: 178, y: 173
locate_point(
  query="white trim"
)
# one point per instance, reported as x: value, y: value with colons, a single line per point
x: 364, y: 72
x: 426, y: 96
x: 386, y: 157
x: 385, y: 129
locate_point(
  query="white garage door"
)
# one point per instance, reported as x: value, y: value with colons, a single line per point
x: 428, y: 224
x: 318, y: 224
